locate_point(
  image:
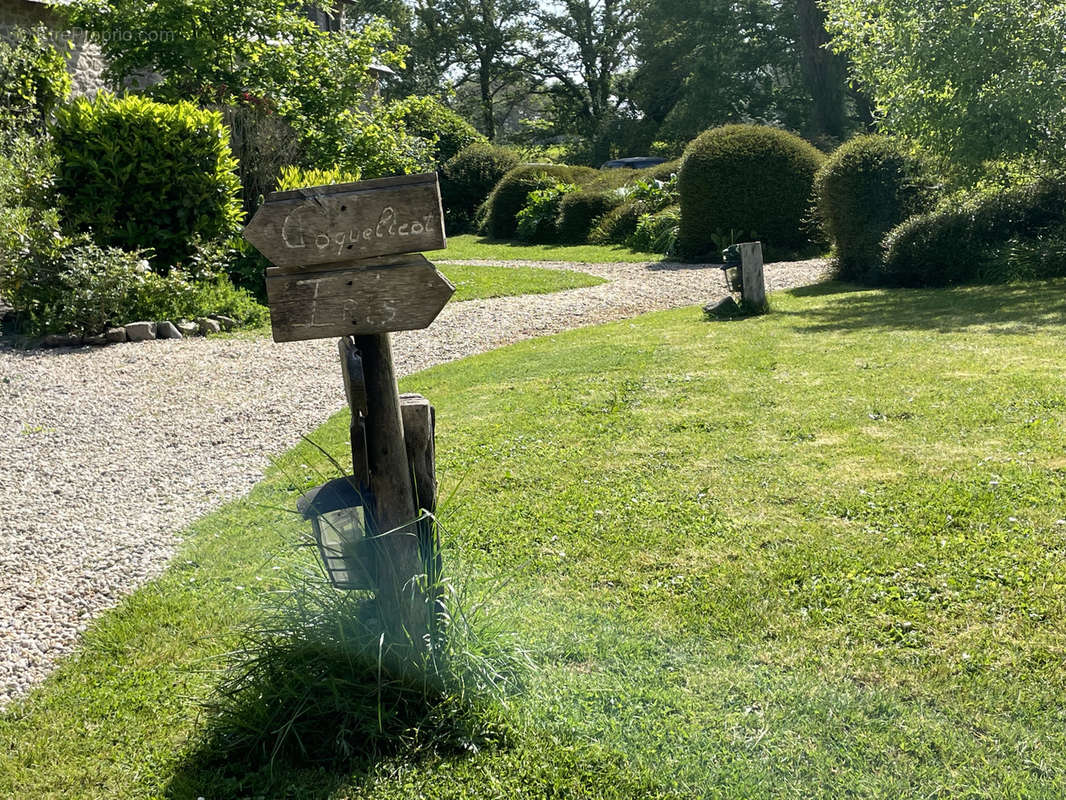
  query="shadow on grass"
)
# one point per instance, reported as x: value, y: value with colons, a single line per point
x: 314, y: 698
x: 1012, y: 309
x: 271, y: 741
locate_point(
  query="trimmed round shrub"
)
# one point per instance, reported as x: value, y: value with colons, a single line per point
x: 978, y: 238
x: 138, y: 174
x: 447, y: 132
x: 468, y: 177
x: 511, y: 193
x: 745, y: 180
x: 865, y: 188
x: 615, y: 227
x: 580, y: 211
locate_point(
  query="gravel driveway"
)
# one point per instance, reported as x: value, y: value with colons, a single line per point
x: 108, y: 452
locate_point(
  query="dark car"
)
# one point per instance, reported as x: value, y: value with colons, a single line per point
x: 637, y: 162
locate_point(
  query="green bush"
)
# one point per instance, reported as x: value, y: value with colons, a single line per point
x: 656, y: 233
x: 615, y: 227
x: 468, y: 177
x: 142, y: 175
x: 580, y: 211
x: 77, y: 286
x: 447, y: 132
x: 863, y: 190
x: 746, y: 177
x: 33, y: 78
x: 537, y: 220
x: 980, y: 238
x: 509, y: 197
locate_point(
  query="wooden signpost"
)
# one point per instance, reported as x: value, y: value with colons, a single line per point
x: 346, y: 264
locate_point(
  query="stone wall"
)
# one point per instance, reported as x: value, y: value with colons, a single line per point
x: 85, y: 61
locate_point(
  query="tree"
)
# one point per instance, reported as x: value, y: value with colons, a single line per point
x: 579, y: 49
x: 969, y: 83
x: 483, y: 39
x: 266, y: 55
x: 823, y: 72
x: 708, y: 62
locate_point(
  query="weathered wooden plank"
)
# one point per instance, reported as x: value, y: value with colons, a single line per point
x: 328, y: 224
x: 418, y: 436
x: 355, y: 392
x: 353, y: 300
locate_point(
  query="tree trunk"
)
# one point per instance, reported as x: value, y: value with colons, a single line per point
x: 823, y: 71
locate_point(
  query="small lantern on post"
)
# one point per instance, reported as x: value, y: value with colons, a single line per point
x: 337, y: 512
x: 732, y: 268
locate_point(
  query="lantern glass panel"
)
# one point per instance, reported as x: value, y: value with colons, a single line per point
x: 339, y: 534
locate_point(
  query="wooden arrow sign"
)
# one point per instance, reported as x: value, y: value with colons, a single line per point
x: 385, y: 294
x: 349, y: 221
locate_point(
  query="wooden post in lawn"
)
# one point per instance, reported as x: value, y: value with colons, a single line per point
x: 753, y: 292
x: 400, y: 571
x: 345, y: 264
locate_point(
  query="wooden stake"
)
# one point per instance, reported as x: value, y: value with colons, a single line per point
x: 401, y: 599
x: 754, y: 288
x: 418, y: 428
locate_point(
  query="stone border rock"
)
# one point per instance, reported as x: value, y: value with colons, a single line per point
x: 143, y: 331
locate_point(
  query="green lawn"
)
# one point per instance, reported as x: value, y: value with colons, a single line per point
x: 472, y: 283
x: 469, y: 247
x: 820, y: 553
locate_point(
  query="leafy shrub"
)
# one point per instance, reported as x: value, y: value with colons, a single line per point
x: 615, y: 227
x: 509, y: 197
x: 653, y: 194
x: 33, y: 78
x: 446, y: 132
x: 536, y: 222
x: 27, y: 165
x: 468, y: 177
x: 302, y: 178
x: 863, y: 190
x: 656, y: 233
x: 580, y: 211
x: 642, y: 194
x: 979, y: 238
x: 140, y: 175
x: 78, y: 286
x: 746, y: 177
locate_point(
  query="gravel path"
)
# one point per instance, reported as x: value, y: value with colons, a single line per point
x: 107, y: 452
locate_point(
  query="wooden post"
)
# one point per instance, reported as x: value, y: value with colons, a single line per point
x: 401, y: 596
x: 753, y: 292
x: 419, y: 420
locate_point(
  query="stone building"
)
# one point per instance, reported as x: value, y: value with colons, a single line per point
x: 84, y: 58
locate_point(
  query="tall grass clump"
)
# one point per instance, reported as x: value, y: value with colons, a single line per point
x: 314, y: 680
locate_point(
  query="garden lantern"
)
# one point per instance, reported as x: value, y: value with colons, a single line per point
x: 732, y: 268
x: 338, y: 516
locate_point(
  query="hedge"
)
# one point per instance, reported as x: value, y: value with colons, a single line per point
x: 580, y: 211
x: 138, y: 174
x: 749, y: 180
x: 467, y: 179
x: 509, y: 197
x: 865, y: 188
x: 981, y: 238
